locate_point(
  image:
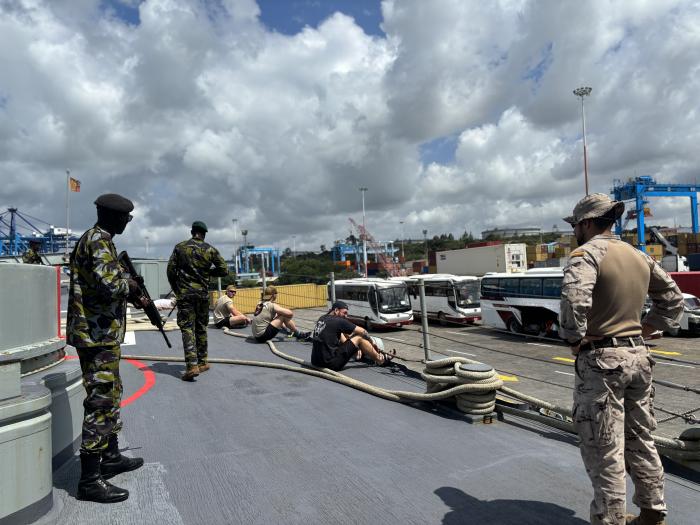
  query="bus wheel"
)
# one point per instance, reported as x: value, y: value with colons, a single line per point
x: 441, y: 319
x: 514, y: 326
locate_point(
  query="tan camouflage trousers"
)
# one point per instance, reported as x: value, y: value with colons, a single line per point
x: 193, y: 318
x: 614, y: 418
x: 103, y: 384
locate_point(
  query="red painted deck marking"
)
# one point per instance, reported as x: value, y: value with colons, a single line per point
x: 149, y: 380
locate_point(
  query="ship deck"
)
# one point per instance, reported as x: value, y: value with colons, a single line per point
x: 255, y: 445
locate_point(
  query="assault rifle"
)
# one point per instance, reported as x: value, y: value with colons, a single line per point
x: 144, y: 299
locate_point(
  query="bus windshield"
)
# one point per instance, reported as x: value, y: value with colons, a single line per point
x: 392, y: 300
x: 467, y: 294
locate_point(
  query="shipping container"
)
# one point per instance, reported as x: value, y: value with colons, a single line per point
x: 478, y: 261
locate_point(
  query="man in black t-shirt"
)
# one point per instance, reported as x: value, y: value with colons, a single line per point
x: 336, y: 340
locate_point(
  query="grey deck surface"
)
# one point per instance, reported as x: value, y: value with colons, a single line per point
x: 254, y: 445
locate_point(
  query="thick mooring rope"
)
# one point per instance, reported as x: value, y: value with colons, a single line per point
x: 472, y: 384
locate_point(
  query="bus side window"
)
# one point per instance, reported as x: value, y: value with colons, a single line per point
x: 531, y: 287
x: 490, y: 288
x: 371, y: 296
x: 510, y: 287
x: 551, y: 287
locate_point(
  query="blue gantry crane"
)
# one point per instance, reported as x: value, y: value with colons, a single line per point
x: 639, y: 188
x: 17, y: 229
x: 271, y: 255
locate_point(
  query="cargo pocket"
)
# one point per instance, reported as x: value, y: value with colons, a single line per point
x: 609, y: 361
x: 593, y: 422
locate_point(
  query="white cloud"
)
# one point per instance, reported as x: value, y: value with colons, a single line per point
x: 200, y: 112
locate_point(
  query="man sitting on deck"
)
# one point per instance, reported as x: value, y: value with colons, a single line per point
x: 225, y: 314
x: 337, y: 340
x: 270, y: 317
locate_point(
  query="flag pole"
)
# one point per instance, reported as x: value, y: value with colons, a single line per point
x: 67, y: 210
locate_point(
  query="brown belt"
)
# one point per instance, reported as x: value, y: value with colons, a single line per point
x: 613, y: 342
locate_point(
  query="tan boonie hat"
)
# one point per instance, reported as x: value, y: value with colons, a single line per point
x: 231, y: 288
x: 593, y: 206
x: 269, y: 292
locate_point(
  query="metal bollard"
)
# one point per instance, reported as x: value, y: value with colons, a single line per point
x: 332, y: 287
x: 264, y: 271
x: 424, y: 320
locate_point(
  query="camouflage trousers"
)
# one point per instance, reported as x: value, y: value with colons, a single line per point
x: 614, y: 418
x: 193, y: 318
x: 100, y: 367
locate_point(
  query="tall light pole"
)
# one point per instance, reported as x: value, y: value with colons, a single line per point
x: 235, y: 244
x: 425, y: 241
x: 294, y: 246
x: 403, y: 256
x: 581, y: 93
x: 364, y: 232
x: 245, y: 246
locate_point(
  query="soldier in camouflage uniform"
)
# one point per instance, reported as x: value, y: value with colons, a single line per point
x: 31, y: 256
x: 191, y: 265
x: 95, y: 327
x: 603, y: 292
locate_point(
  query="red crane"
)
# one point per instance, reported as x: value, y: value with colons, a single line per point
x: 388, y: 263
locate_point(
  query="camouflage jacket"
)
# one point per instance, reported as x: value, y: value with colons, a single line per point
x: 31, y: 257
x: 191, y: 265
x: 97, y: 294
x: 604, y: 290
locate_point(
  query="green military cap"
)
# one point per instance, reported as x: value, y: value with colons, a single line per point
x: 199, y: 225
x: 114, y: 202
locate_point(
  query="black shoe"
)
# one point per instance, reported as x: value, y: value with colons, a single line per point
x: 92, y: 487
x: 113, y: 462
x: 303, y: 336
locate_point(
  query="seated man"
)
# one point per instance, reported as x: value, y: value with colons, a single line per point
x: 225, y: 314
x: 270, y: 318
x: 336, y: 340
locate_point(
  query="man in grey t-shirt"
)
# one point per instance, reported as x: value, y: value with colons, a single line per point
x: 270, y: 318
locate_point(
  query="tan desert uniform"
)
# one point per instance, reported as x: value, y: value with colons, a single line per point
x: 603, y: 293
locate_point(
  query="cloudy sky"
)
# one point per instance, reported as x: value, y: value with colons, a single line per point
x: 454, y: 114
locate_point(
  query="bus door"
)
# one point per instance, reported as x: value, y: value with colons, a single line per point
x: 372, y: 298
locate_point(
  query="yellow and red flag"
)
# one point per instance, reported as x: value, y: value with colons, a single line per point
x: 74, y: 184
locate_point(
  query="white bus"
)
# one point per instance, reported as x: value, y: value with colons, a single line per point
x: 448, y: 297
x: 689, y: 321
x: 522, y: 303
x: 375, y: 302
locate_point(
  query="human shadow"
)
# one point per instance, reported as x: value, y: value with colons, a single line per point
x: 67, y: 475
x: 468, y: 509
x: 174, y: 370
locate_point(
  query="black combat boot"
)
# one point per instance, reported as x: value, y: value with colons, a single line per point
x: 114, y: 463
x: 92, y: 487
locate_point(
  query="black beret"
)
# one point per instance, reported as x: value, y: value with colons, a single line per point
x: 114, y: 202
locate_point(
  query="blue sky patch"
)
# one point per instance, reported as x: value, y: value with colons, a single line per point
x: 121, y: 10
x: 290, y: 16
x: 537, y: 72
x: 441, y: 150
